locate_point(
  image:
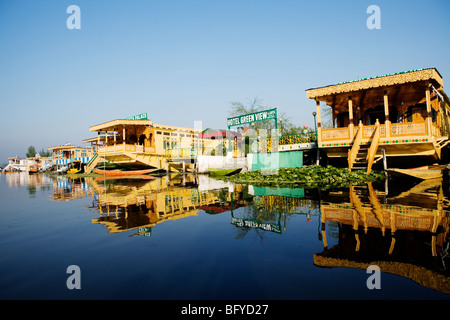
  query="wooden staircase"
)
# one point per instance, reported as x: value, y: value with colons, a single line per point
x: 92, y: 163
x: 362, y: 157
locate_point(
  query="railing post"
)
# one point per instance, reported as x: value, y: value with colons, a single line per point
x: 387, y: 122
x: 350, y: 118
x: 319, y: 124
x: 427, y: 96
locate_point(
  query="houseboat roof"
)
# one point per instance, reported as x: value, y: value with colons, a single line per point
x: 410, y: 76
x: 65, y: 147
x: 163, y: 126
x: 110, y: 125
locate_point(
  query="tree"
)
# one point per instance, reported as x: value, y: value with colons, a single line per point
x: 31, y: 152
x: 326, y: 116
x: 255, y: 105
x: 44, y: 153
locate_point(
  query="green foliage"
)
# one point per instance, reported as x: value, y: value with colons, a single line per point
x: 255, y: 105
x: 44, y: 153
x: 31, y: 152
x: 309, y: 176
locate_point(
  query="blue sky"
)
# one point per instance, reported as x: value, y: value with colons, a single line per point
x: 182, y: 61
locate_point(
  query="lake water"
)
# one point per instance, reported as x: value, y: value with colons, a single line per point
x: 192, y: 237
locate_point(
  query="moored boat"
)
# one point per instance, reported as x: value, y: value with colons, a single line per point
x: 224, y: 172
x: 127, y: 172
x: 33, y: 169
x: 75, y: 167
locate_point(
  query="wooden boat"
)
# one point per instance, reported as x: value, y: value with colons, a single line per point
x: 32, y: 169
x: 140, y: 177
x: 224, y: 172
x: 127, y: 172
x: 75, y: 167
x: 424, y: 173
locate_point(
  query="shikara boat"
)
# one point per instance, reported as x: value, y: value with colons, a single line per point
x: 127, y: 172
x: 32, y: 169
x: 424, y: 173
x: 75, y: 167
x: 224, y: 172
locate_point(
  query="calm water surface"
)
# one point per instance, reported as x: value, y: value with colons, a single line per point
x: 186, y: 237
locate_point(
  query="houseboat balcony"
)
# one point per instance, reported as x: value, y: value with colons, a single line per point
x: 405, y: 132
x: 123, y: 148
x: 390, y: 131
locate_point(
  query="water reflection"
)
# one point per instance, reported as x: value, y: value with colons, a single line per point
x: 140, y: 203
x: 405, y: 233
x: 269, y: 209
x: 67, y: 189
x: 403, y: 229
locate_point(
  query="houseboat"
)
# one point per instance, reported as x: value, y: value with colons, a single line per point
x: 390, y: 117
x: 16, y: 164
x: 138, y: 144
x: 64, y: 155
x: 30, y: 164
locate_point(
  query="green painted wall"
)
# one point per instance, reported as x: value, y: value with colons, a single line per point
x: 285, y: 192
x: 275, y: 160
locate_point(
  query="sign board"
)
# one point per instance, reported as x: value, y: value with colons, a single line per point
x: 252, y: 117
x: 251, y: 223
x: 142, y: 116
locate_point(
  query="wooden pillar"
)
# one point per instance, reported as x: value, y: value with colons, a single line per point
x: 98, y: 139
x: 319, y: 124
x: 123, y: 136
x: 387, y: 122
x: 333, y: 115
x: 350, y: 117
x: 427, y: 95
x: 114, y: 137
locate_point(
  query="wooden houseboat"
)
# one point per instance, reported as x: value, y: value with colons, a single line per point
x: 16, y: 164
x: 396, y: 115
x: 139, y: 144
x: 31, y: 164
x: 64, y: 155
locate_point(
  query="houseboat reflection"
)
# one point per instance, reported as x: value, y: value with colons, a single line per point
x: 143, y: 202
x: 406, y: 234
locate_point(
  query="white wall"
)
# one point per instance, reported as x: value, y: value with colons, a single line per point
x: 220, y: 162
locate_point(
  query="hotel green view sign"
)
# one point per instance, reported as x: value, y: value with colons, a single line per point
x: 253, y: 117
x: 142, y: 116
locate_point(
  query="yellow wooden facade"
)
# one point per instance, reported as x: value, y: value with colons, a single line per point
x: 404, y: 114
x: 141, y: 143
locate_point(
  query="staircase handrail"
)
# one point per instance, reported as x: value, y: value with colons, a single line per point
x: 373, y: 147
x: 353, y: 152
